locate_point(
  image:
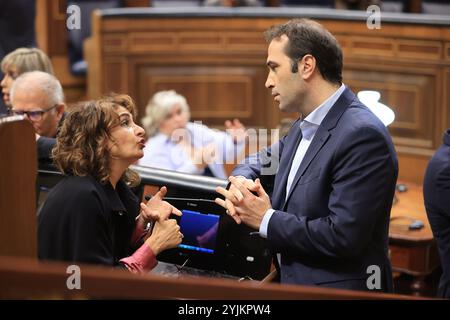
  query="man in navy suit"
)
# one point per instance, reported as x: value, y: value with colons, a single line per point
x: 327, y: 216
x: 436, y: 192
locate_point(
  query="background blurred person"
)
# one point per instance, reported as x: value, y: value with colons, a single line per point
x: 39, y: 96
x: 180, y: 145
x: 436, y: 193
x: 20, y: 61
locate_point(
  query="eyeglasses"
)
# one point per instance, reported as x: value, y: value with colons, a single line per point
x: 32, y: 115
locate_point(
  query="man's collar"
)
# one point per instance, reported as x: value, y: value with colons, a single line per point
x: 316, y: 117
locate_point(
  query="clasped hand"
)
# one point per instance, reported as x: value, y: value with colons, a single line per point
x: 157, y: 209
x: 242, y: 205
x: 166, y: 232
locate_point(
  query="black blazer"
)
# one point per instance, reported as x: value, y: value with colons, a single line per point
x: 85, y: 221
x: 334, y: 224
x: 436, y: 192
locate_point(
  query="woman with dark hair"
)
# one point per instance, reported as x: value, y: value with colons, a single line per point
x: 92, y: 216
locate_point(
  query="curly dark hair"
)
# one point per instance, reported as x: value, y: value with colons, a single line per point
x: 81, y: 146
x: 309, y: 37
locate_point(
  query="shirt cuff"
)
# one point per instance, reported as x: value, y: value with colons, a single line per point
x: 265, y: 223
x: 142, y: 261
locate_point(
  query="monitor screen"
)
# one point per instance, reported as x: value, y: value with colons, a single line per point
x: 199, y: 231
x: 201, y: 224
x: 212, y: 240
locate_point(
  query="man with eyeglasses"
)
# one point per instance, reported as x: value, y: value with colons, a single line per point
x: 39, y: 97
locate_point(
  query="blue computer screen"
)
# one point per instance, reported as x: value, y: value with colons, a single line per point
x: 199, y: 230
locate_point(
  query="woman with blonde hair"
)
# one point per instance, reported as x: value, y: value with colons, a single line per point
x: 20, y: 61
x: 92, y: 216
x: 190, y: 147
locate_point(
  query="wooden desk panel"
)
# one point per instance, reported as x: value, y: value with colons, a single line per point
x: 18, y: 169
x: 409, y: 204
x: 27, y: 278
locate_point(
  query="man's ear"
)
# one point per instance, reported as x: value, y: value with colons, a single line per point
x: 307, y: 65
x: 60, y: 108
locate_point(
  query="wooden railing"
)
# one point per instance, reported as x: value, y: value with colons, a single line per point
x: 27, y: 278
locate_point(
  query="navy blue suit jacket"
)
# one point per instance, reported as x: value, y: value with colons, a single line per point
x: 334, y: 223
x: 46, y: 144
x: 436, y: 192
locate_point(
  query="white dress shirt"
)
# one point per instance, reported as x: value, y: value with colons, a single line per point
x: 164, y: 153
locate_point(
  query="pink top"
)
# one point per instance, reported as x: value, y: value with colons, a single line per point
x: 143, y: 259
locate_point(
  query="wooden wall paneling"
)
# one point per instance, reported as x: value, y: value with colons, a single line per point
x: 380, y: 47
x: 447, y: 51
x: 142, y: 42
x: 213, y: 65
x: 42, y: 24
x: 136, y: 3
x: 441, y: 109
x: 417, y: 49
x: 206, y: 94
x: 446, y: 99
x: 246, y: 42
x: 58, y: 30
x: 201, y: 24
x: 92, y: 50
x: 446, y: 90
x: 412, y: 167
x: 406, y: 91
x: 205, y: 41
x: 391, y: 48
x: 115, y: 43
x: 52, y: 38
x: 214, y: 93
x: 403, y: 30
x: 115, y: 75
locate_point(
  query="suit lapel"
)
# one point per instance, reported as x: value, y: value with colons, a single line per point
x: 321, y: 137
x: 291, y: 145
x: 319, y: 140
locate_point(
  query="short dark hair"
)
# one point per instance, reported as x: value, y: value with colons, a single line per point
x: 309, y: 37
